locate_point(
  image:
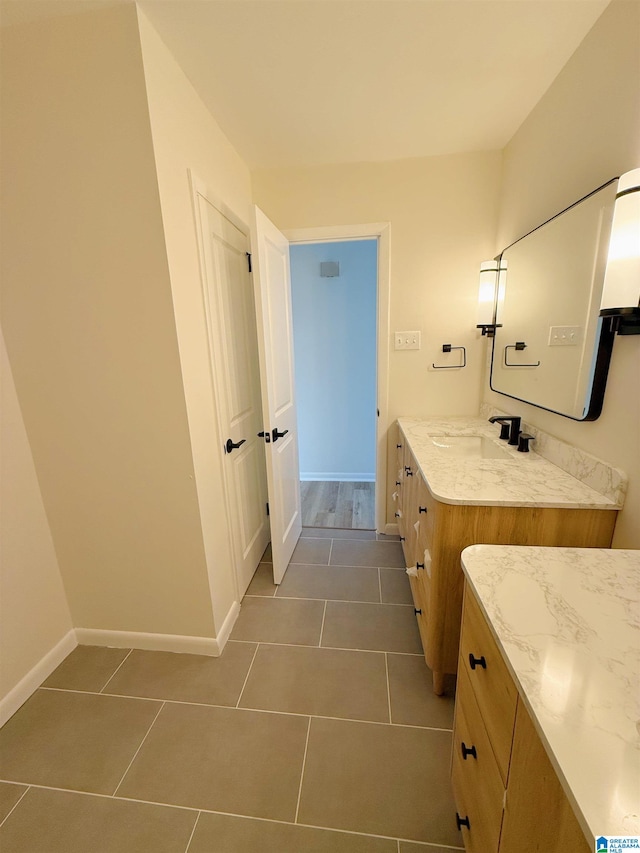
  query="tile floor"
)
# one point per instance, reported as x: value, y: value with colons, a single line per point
x: 316, y: 731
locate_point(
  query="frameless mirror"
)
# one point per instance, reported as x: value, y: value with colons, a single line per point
x: 552, y: 349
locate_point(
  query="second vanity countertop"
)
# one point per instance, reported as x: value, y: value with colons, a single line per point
x: 567, y: 621
x: 520, y: 479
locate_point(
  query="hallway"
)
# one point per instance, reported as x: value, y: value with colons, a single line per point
x: 316, y: 730
x: 348, y: 506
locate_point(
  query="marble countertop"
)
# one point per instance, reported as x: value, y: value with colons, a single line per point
x: 567, y: 621
x: 520, y: 479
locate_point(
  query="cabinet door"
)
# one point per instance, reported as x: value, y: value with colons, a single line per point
x: 476, y: 780
x: 490, y: 680
x: 537, y: 814
x: 408, y: 519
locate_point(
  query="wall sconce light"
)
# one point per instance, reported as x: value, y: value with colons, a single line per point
x: 621, y: 289
x: 487, y: 298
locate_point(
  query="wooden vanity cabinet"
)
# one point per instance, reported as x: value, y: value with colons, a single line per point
x: 507, y: 794
x: 444, y: 530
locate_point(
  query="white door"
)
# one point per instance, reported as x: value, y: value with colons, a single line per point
x: 272, y: 283
x: 230, y: 309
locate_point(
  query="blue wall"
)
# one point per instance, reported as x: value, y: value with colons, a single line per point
x: 334, y: 329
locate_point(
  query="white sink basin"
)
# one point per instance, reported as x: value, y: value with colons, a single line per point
x: 469, y: 446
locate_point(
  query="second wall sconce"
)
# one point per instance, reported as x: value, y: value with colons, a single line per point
x: 621, y: 289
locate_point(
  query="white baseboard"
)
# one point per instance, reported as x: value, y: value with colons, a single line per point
x: 16, y: 697
x: 391, y: 529
x: 211, y: 646
x: 336, y: 477
x: 227, y: 625
x: 151, y: 642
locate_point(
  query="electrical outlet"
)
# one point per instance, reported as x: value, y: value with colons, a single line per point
x: 564, y: 336
x: 406, y: 340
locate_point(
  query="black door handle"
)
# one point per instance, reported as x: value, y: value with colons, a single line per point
x: 264, y: 435
x: 231, y: 446
x: 276, y: 435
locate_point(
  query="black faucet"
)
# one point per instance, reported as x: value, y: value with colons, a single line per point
x: 506, y: 420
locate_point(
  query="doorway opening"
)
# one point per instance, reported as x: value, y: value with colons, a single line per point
x: 334, y: 287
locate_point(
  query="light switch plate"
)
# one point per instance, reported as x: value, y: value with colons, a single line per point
x: 565, y: 336
x: 406, y: 340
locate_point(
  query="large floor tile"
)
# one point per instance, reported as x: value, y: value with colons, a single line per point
x: 326, y: 682
x: 336, y: 533
x: 341, y: 583
x: 262, y: 581
x: 9, y: 796
x: 87, y: 668
x: 347, y: 552
x: 385, y: 780
x: 413, y: 702
x: 279, y: 620
x: 378, y: 627
x: 61, y: 822
x: 185, y: 678
x: 225, y: 834
x: 314, y: 551
x: 82, y: 741
x: 395, y: 587
x: 221, y: 759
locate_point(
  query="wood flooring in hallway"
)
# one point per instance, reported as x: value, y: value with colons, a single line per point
x: 341, y: 505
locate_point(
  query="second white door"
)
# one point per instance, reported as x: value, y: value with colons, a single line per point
x: 272, y: 280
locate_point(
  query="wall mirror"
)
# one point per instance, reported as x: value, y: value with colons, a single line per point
x: 551, y: 348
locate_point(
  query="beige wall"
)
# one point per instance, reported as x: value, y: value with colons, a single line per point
x: 186, y: 137
x: 585, y: 130
x: 443, y: 214
x: 89, y: 326
x: 34, y: 615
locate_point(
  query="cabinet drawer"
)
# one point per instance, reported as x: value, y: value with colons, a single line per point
x: 477, y: 783
x: 424, y: 509
x: 492, y: 685
x: 421, y: 605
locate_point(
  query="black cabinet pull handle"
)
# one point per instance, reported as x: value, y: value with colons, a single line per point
x: 462, y: 821
x: 398, y: 482
x: 474, y: 662
x: 402, y: 538
x: 276, y: 434
x: 230, y: 445
x: 422, y: 509
x: 419, y: 565
x: 398, y: 446
x: 468, y: 750
x: 409, y: 472
x: 417, y: 612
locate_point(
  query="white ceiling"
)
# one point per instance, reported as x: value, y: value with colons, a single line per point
x: 305, y: 82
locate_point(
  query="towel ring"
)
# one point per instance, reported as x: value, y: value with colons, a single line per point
x: 448, y: 348
x: 518, y: 346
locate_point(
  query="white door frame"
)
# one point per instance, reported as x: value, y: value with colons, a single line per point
x: 382, y: 232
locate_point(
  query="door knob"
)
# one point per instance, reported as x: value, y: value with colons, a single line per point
x: 265, y: 435
x: 231, y: 446
x: 276, y: 435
